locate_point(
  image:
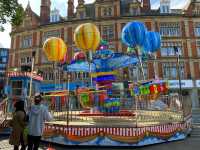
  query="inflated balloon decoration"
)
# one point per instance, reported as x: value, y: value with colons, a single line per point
x: 152, y: 42
x: 134, y: 34
x: 160, y: 88
x: 87, y: 37
x: 165, y: 87
x: 153, y: 89
x: 55, y: 49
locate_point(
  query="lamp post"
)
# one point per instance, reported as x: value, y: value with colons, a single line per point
x: 177, y: 52
x: 31, y: 81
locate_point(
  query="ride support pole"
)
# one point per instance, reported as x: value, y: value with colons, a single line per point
x: 140, y: 61
x: 90, y: 66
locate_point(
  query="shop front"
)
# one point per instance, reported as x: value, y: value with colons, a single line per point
x: 198, y: 92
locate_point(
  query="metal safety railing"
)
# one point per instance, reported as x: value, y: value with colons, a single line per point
x: 133, y: 110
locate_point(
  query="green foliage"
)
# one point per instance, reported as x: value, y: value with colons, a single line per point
x: 10, y: 12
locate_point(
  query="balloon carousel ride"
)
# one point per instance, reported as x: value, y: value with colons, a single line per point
x: 107, y: 114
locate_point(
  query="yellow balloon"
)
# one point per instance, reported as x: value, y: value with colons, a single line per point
x: 87, y: 37
x: 55, y: 49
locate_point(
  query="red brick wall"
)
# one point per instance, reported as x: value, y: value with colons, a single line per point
x: 116, y: 32
x: 10, y: 61
x: 40, y: 51
x: 157, y: 26
x: 187, y: 70
x: 34, y: 39
x: 115, y: 10
x: 190, y: 8
x: 183, y: 28
x: 194, y: 49
x: 12, y: 42
x: 70, y: 36
x: 18, y: 42
x: 16, y: 63
x: 63, y: 33
x: 70, y: 41
x: 191, y: 29
x: 41, y: 42
x: 99, y: 26
x: 99, y: 12
x: 196, y: 70
x: 122, y: 25
x: 185, y: 48
x: 146, y: 5
x: 160, y: 73
x: 150, y: 70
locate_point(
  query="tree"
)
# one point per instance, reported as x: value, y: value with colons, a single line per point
x: 10, y: 12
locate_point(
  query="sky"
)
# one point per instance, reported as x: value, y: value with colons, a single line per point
x: 62, y: 5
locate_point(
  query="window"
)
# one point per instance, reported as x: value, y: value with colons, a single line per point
x: 17, y: 88
x: 4, y: 59
x: 53, y: 33
x: 26, y: 41
x: 23, y: 60
x: 170, y: 29
x: 26, y: 60
x: 165, y: 9
x: 3, y: 53
x: 126, y: 8
x: 198, y: 51
x: 135, y: 11
x: 167, y: 48
x: 170, y: 70
x: 108, y: 32
x: 198, y: 47
x: 2, y: 66
x: 107, y: 11
x: 55, y: 16
x: 196, y: 10
x: 197, y: 29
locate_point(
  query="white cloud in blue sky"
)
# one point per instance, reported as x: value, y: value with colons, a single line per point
x: 62, y: 6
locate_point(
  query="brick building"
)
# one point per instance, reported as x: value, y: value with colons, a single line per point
x: 179, y: 28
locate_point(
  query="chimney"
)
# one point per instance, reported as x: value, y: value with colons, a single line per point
x: 45, y: 9
x: 70, y: 10
x: 146, y: 5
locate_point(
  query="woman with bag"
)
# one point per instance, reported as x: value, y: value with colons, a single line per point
x: 18, y: 124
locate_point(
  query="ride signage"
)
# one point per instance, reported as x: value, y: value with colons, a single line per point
x: 184, y: 84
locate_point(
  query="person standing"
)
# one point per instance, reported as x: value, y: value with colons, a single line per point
x: 37, y: 116
x: 18, y: 124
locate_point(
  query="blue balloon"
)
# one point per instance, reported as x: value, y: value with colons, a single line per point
x: 152, y: 42
x: 134, y: 34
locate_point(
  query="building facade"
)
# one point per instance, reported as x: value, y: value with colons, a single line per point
x: 3, y: 67
x: 179, y: 28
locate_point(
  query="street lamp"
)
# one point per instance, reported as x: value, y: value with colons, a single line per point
x: 178, y: 54
x: 32, y: 68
